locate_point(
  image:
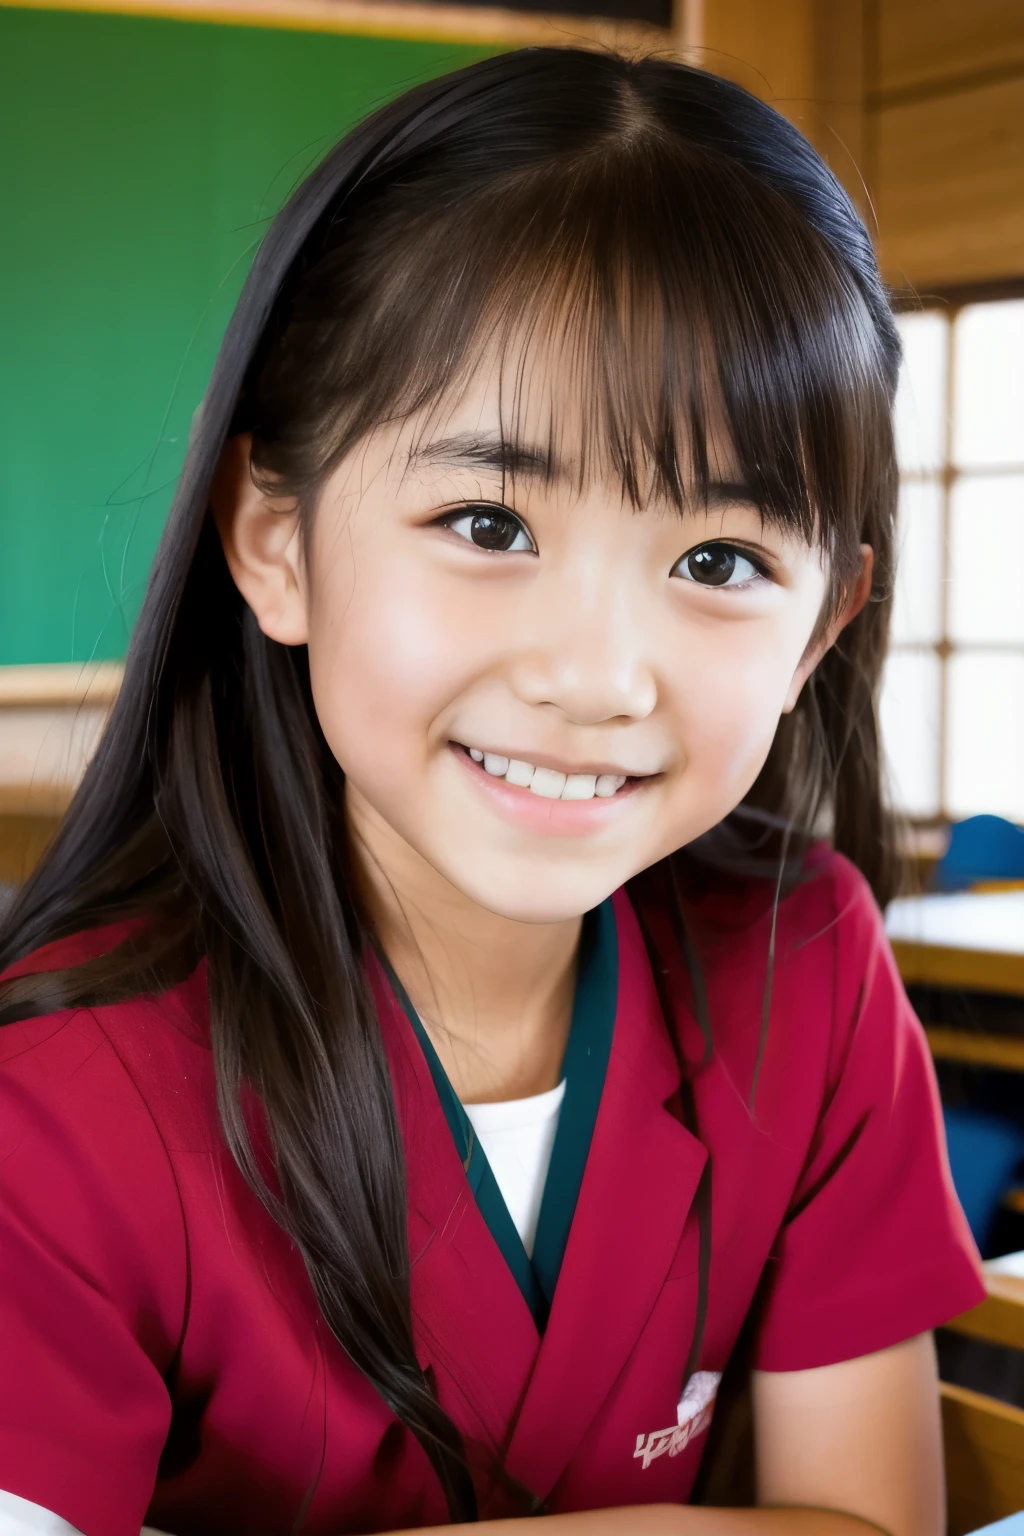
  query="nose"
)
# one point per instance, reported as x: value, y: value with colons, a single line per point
x: 587, y: 653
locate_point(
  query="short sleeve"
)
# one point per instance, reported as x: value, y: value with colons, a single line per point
x: 92, y: 1278
x: 875, y: 1248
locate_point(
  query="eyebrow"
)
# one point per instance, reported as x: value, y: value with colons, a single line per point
x: 730, y: 493
x: 467, y: 450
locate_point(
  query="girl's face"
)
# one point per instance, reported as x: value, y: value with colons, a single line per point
x: 534, y: 694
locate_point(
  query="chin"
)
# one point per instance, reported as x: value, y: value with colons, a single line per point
x: 541, y: 893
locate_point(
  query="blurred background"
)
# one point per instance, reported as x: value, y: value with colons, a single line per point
x: 147, y: 144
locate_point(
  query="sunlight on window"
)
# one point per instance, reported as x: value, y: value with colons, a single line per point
x: 986, y: 560
x: 952, y: 709
x: 985, y: 733
x: 917, y: 610
x: 988, y: 385
x: 921, y: 401
x: 910, y: 722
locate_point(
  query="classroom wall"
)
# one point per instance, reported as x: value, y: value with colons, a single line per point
x: 142, y: 161
x: 919, y: 107
x: 945, y: 115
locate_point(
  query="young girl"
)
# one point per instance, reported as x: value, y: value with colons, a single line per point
x: 436, y: 1046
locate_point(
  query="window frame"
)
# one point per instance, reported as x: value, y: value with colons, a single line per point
x: 950, y: 302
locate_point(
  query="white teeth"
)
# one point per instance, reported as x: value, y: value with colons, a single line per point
x: 547, y: 782
x: 579, y: 786
x: 607, y: 784
x: 520, y: 773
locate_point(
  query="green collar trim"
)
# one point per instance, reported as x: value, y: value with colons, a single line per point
x: 584, y: 1068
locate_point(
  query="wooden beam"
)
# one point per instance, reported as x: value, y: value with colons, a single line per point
x: 807, y: 59
x: 969, y: 969
x: 73, y: 683
x: 384, y: 18
x: 999, y: 1319
x: 984, y: 1442
x: 771, y: 50
x: 950, y: 185
x: 22, y: 840
x: 925, y: 43
x: 1005, y: 1052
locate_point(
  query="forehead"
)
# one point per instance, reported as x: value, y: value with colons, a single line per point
x: 529, y: 419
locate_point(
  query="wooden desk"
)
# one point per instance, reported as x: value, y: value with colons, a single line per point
x: 973, y: 943
x: 984, y: 1437
x: 50, y: 721
x: 999, y: 1319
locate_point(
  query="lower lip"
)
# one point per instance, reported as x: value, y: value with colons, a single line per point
x: 540, y: 814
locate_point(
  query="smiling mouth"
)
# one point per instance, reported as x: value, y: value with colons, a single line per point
x: 550, y: 783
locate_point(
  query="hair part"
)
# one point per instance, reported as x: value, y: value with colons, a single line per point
x: 673, y: 247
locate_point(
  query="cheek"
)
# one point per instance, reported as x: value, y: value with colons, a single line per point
x: 386, y: 654
x: 729, y: 698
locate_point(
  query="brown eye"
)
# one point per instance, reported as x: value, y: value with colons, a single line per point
x: 491, y: 528
x: 717, y: 565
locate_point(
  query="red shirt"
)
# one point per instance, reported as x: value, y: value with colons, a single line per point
x: 126, y: 1230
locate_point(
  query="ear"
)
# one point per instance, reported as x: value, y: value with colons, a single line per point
x: 262, y: 541
x: 856, y: 598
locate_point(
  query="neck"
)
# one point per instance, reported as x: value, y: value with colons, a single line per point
x: 494, y: 995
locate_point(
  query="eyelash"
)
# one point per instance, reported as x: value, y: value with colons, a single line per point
x: 502, y: 515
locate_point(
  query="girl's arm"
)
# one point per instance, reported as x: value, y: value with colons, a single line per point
x: 843, y: 1450
x: 676, y: 1520
x: 864, y: 1436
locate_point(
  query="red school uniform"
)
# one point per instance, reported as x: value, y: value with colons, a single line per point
x: 162, y: 1355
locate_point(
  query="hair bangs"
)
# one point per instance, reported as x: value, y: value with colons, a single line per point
x: 653, y: 316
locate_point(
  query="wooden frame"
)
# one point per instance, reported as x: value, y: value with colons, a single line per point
x: 400, y: 18
x: 984, y: 1438
x: 999, y: 1319
x: 949, y: 305
x: 95, y: 682
x: 63, y: 698
x: 984, y: 1441
x: 1005, y: 1053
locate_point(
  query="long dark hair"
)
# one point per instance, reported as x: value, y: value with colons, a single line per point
x: 689, y: 253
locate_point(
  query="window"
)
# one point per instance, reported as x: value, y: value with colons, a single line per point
x: 952, y: 711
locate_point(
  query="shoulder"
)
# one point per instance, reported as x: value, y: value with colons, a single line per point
x: 824, y: 902
x: 133, y: 1044
x: 94, y: 1103
x: 810, y: 955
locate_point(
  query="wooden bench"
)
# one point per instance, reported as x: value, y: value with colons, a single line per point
x: 984, y: 1438
x: 50, y: 720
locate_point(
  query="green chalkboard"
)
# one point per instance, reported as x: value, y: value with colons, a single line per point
x: 140, y: 162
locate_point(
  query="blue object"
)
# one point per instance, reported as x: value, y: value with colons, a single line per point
x: 981, y: 848
x: 984, y: 1150
x: 1013, y: 1525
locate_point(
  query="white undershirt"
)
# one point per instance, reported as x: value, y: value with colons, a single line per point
x: 517, y: 1137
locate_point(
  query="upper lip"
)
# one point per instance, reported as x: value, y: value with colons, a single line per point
x: 559, y: 765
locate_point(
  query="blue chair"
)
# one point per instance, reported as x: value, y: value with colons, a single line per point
x: 984, y: 1151
x: 980, y: 848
